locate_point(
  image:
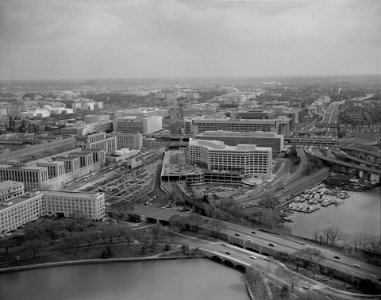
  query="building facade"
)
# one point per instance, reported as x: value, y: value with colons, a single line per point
x: 30, y: 206
x: 133, y: 124
x: 280, y: 126
x: 97, y: 141
x: 261, y: 139
x: 129, y: 140
x: 247, y: 160
x: 10, y: 189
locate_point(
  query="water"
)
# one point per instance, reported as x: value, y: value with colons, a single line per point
x: 359, y: 213
x: 159, y: 280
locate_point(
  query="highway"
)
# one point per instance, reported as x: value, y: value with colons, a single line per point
x: 346, y: 164
x: 286, y: 243
x: 291, y: 244
x: 275, y: 271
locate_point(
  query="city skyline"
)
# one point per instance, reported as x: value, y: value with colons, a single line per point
x: 145, y: 39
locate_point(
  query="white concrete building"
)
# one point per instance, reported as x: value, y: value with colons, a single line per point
x: 141, y: 112
x: 129, y: 140
x: 97, y: 141
x: 10, y: 189
x: 248, y: 160
x: 133, y: 124
x: 74, y: 204
x: 30, y: 206
x: 20, y: 210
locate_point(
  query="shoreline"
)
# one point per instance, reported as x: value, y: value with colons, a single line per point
x: 91, y: 261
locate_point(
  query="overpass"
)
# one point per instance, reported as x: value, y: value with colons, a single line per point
x: 367, y: 155
x: 270, y: 244
x: 374, y: 172
x: 321, y: 142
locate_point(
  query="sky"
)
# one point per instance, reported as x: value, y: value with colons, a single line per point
x: 80, y: 39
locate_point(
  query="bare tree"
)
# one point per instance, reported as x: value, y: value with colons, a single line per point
x: 194, y: 221
x: 34, y: 246
x: 217, y: 226
x: 331, y: 234
x: 176, y: 223
x: 155, y: 230
x: 309, y: 258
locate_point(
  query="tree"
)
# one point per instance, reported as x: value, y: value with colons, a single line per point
x: 194, y: 221
x: 77, y: 238
x: 217, y: 226
x: 252, y: 275
x: 309, y: 258
x: 6, y: 244
x: 34, y: 245
x: 284, y: 293
x: 331, y: 233
x: 155, y: 230
x: 176, y: 223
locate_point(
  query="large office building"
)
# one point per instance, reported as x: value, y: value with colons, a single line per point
x: 54, y: 172
x: 141, y: 112
x: 129, y: 140
x: 10, y: 189
x: 261, y: 139
x: 98, y: 140
x: 27, y: 207
x: 20, y: 210
x: 133, y: 124
x: 255, y: 114
x: 29, y: 151
x: 280, y: 125
x: 74, y: 204
x: 249, y: 161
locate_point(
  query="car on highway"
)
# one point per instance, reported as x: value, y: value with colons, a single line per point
x: 271, y: 244
x: 336, y: 257
x: 356, y: 266
x: 253, y: 257
x: 253, y: 232
x: 228, y: 253
x: 236, y: 234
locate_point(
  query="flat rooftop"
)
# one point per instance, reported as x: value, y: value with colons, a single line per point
x: 254, y: 134
x: 219, y: 145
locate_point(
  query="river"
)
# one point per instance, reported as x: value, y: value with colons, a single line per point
x: 359, y: 213
x: 185, y: 279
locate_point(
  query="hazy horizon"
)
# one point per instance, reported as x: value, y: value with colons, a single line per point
x: 146, y: 39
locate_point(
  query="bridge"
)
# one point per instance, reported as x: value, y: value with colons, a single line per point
x: 374, y: 172
x: 312, y: 141
x: 226, y: 259
x: 367, y: 155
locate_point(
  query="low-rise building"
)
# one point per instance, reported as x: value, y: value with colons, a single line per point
x: 10, y: 189
x: 30, y: 206
x: 98, y: 140
x: 133, y: 124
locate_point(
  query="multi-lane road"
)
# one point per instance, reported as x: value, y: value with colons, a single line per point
x: 260, y: 241
x: 290, y: 244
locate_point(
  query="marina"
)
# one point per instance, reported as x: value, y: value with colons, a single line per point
x: 312, y: 199
x: 359, y: 213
